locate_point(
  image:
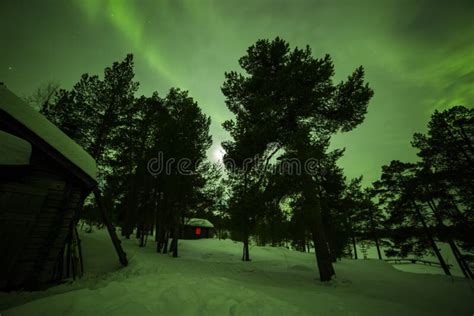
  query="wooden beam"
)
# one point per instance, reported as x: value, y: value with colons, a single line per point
x: 110, y: 228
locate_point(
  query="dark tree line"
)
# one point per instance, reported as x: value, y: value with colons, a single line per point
x: 122, y: 133
x: 431, y: 201
x: 285, y: 109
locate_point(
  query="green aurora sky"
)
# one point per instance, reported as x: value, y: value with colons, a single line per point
x: 418, y: 55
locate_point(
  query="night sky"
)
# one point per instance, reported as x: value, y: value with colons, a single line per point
x: 418, y: 55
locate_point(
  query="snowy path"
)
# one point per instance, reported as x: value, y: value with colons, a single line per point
x: 210, y: 279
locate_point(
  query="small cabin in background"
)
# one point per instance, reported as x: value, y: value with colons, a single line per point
x: 44, y: 179
x: 196, y: 228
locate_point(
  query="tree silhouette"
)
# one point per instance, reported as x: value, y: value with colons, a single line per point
x: 287, y: 100
x: 123, y: 133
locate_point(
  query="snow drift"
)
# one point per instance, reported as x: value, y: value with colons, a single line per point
x: 210, y: 279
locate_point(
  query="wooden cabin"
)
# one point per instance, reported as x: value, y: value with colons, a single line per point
x: 197, y: 228
x: 44, y: 178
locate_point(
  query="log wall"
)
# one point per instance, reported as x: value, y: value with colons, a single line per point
x: 36, y: 211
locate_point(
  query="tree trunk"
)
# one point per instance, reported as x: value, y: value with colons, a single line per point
x: 159, y: 243
x: 431, y: 240
x: 323, y: 258
x: 374, y: 234
x: 353, y: 239
x: 466, y: 270
x: 354, y: 246
x: 116, y: 242
x: 157, y: 208
x: 160, y: 229
x: 175, y: 242
x: 165, y: 243
x: 245, y: 250
x: 378, y: 247
x: 331, y: 251
x: 138, y: 231
x: 127, y: 225
x: 462, y: 264
x: 142, y: 237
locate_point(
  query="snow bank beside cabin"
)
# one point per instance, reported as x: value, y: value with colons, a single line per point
x: 210, y: 279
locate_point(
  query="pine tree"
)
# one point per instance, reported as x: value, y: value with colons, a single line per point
x: 447, y: 153
x: 412, y: 226
x: 287, y: 100
x: 183, y: 139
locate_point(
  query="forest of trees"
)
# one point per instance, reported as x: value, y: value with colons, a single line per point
x: 285, y: 109
x: 122, y: 133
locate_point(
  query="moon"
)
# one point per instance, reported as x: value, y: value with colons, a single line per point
x: 218, y: 154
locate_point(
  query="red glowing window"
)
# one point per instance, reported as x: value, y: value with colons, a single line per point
x: 198, y: 231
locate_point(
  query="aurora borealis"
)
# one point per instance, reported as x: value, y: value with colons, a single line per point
x: 418, y: 55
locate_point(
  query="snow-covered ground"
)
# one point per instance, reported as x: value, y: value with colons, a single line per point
x: 419, y: 268
x: 209, y: 279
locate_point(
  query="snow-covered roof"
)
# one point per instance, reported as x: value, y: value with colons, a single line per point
x: 44, y: 129
x: 15, y: 151
x: 201, y: 222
